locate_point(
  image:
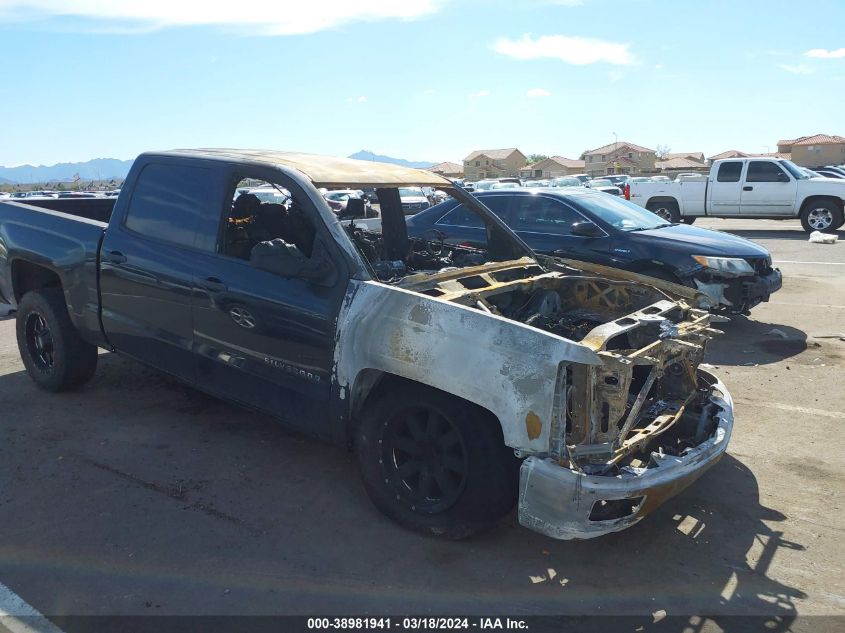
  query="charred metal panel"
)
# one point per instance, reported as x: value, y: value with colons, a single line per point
x: 504, y: 366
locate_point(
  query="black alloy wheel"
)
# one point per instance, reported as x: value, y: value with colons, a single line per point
x: 424, y: 459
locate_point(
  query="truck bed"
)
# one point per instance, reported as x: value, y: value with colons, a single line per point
x: 65, y: 243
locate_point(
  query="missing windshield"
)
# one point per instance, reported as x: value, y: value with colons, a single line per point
x: 395, y: 245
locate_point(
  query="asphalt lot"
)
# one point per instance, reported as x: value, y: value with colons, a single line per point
x: 140, y: 496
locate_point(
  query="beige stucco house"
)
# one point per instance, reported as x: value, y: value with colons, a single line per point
x: 448, y: 169
x: 816, y: 150
x: 493, y: 163
x: 552, y: 167
x: 620, y: 158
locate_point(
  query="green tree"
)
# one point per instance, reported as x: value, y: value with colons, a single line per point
x: 535, y: 158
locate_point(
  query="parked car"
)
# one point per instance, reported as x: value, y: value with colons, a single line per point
x: 413, y: 200
x: 566, y: 181
x: 466, y: 380
x: 828, y: 173
x: 749, y: 188
x: 584, y: 178
x: 735, y: 273
x: 660, y: 179
x: 4, y: 195
x: 540, y: 182
x: 605, y: 185
x: 339, y: 198
x: 834, y: 168
x: 617, y: 180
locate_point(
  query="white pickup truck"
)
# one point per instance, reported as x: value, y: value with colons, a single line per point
x: 747, y: 188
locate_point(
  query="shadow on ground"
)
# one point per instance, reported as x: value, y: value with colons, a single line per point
x: 747, y: 341
x: 140, y: 496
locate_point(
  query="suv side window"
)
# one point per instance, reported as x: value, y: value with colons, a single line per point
x: 543, y: 215
x: 729, y: 172
x: 168, y: 202
x: 461, y: 216
x: 763, y: 171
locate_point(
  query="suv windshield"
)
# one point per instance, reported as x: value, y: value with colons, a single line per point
x: 620, y: 214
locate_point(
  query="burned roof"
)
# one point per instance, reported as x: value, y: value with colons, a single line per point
x: 327, y: 171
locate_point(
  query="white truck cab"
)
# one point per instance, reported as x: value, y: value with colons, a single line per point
x: 748, y: 188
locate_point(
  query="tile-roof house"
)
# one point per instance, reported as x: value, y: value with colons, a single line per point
x: 695, y: 156
x: 816, y: 150
x: 493, y: 163
x: 680, y: 163
x: 731, y: 153
x: 620, y: 158
x: 452, y: 170
x: 552, y: 167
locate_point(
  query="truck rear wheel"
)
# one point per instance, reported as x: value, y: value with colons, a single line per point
x: 668, y: 210
x: 822, y: 215
x: 434, y: 463
x: 54, y: 354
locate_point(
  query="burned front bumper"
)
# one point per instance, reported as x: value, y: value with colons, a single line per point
x: 567, y: 504
x: 740, y: 294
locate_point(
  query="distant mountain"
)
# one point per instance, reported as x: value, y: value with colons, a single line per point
x: 367, y: 155
x: 5, y: 181
x: 96, y: 169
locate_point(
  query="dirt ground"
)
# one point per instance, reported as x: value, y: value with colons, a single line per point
x: 138, y: 496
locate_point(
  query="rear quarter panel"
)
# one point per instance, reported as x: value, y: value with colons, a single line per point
x: 61, y: 243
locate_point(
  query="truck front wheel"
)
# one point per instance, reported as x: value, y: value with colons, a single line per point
x: 822, y: 215
x: 54, y: 354
x: 434, y: 463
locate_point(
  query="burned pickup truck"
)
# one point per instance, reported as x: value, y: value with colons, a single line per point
x: 465, y: 379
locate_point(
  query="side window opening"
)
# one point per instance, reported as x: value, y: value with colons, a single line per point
x: 763, y: 171
x: 729, y: 172
x: 263, y: 212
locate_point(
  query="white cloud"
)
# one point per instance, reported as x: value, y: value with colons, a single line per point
x: 566, y: 3
x: 823, y: 53
x: 479, y: 94
x: 262, y: 17
x: 572, y: 50
x: 798, y: 69
x: 538, y: 92
x: 361, y: 99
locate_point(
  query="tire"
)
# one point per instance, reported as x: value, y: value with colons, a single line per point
x: 668, y: 210
x: 54, y: 354
x: 412, y: 430
x: 823, y: 215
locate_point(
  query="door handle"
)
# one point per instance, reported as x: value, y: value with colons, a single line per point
x: 214, y: 284
x: 115, y: 257
x: 748, y: 188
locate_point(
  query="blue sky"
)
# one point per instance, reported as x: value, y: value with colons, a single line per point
x: 417, y: 79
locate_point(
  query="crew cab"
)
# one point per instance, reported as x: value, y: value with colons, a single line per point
x: 748, y: 188
x: 465, y: 380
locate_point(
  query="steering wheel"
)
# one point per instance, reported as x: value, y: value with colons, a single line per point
x: 439, y: 237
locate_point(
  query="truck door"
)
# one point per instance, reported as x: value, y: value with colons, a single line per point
x: 768, y: 190
x: 724, y: 193
x: 147, y: 261
x: 261, y: 338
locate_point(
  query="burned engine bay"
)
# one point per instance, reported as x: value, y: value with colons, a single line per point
x: 644, y: 401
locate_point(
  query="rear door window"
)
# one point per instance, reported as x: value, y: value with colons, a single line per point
x: 168, y: 202
x: 729, y: 172
x: 462, y: 216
